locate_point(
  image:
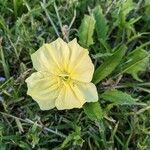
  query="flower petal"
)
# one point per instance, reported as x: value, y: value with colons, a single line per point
x: 89, y: 91
x: 80, y: 66
x: 69, y: 97
x: 51, y: 57
x: 44, y: 89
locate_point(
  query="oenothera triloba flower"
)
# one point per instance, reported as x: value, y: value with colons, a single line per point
x: 62, y: 80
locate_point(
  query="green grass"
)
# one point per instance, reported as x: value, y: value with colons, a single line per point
x: 124, y: 121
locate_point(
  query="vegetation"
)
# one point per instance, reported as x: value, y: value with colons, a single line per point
x: 117, y: 35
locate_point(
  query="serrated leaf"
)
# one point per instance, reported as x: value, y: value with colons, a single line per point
x: 137, y: 61
x: 101, y: 23
x: 124, y: 8
x: 127, y: 6
x: 86, y: 30
x: 93, y: 110
x: 109, y: 65
x: 118, y: 97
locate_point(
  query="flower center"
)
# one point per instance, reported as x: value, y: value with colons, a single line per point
x: 64, y: 76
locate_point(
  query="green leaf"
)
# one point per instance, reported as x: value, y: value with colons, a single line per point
x: 109, y: 65
x: 101, y: 23
x: 101, y: 55
x: 75, y: 137
x: 24, y: 146
x: 118, y: 97
x: 127, y: 6
x: 19, y: 125
x: 93, y: 110
x: 147, y: 9
x: 4, y: 63
x: 137, y: 61
x: 3, y: 146
x: 18, y: 5
x: 124, y: 8
x: 86, y: 30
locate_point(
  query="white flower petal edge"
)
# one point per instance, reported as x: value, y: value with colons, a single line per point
x: 69, y: 97
x: 51, y: 57
x: 80, y: 66
x: 89, y: 91
x: 44, y: 89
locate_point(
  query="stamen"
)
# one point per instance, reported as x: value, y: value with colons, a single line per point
x: 64, y: 76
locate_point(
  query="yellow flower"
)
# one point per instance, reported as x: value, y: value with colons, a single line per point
x: 63, y: 76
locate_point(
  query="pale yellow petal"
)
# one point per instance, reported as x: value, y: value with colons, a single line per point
x: 89, y: 91
x: 61, y: 53
x: 44, y: 89
x: 69, y: 97
x: 80, y: 67
x: 51, y: 57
